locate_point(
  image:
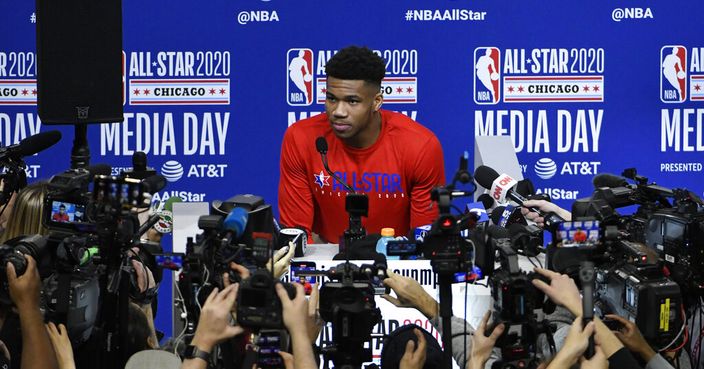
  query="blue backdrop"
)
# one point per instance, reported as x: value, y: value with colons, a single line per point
x: 583, y: 87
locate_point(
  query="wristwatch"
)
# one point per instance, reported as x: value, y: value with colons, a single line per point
x: 193, y: 352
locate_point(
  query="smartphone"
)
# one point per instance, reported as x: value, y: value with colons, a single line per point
x: 171, y: 261
x: 270, y: 342
x: 306, y: 281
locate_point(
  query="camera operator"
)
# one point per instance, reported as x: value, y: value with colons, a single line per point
x: 630, y: 336
x: 563, y: 291
x: 214, y: 325
x: 409, y: 293
x: 24, y: 213
x: 24, y: 291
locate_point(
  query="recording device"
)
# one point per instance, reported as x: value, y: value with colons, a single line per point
x: 356, y: 204
x: 503, y: 186
x: 268, y: 343
x: 171, y: 261
x: 13, y: 251
x: 296, y: 275
x: 669, y: 221
x: 628, y: 282
x: 347, y: 302
x: 258, y: 305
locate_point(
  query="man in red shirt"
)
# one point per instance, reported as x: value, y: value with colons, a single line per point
x: 388, y: 156
x: 61, y: 216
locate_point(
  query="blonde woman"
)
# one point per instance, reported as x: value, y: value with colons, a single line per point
x: 25, y: 216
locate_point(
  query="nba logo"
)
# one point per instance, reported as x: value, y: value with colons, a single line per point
x: 299, y: 87
x: 487, y: 75
x: 673, y: 75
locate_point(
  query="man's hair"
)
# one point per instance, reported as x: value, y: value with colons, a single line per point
x: 357, y: 63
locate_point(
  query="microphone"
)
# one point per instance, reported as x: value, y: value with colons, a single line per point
x: 487, y: 201
x: 609, y: 180
x: 321, y: 144
x: 503, y: 186
x: 235, y: 224
x: 153, y: 184
x: 504, y: 216
x: 30, y: 145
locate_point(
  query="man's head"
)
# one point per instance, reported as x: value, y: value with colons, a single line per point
x: 62, y: 209
x: 353, y: 96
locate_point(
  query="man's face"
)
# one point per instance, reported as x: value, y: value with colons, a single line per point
x: 351, y: 106
x: 62, y: 210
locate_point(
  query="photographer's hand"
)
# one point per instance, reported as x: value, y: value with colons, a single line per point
x: 409, y: 293
x: 314, y: 323
x: 62, y: 345
x: 562, y: 290
x: 239, y: 269
x: 414, y: 358
x: 214, y: 323
x: 545, y: 206
x: 282, y: 260
x: 145, y: 277
x: 574, y: 346
x: 483, y: 345
x: 37, y: 352
x: 295, y: 311
x: 630, y: 336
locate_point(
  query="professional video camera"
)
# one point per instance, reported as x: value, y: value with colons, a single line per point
x: 515, y: 298
x: 347, y: 302
x: 668, y: 221
x: 629, y: 278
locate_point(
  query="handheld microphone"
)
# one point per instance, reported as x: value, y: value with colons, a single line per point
x: 503, y: 186
x: 321, y: 144
x: 235, y: 224
x: 154, y: 183
x: 586, y: 277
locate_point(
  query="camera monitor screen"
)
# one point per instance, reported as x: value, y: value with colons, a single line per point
x: 67, y: 212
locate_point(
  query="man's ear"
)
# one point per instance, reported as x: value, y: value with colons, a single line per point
x: 378, y: 101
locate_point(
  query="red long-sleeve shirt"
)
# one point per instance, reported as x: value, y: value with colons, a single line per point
x: 397, y: 172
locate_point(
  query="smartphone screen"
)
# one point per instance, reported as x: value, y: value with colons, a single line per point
x: 306, y: 281
x: 169, y: 261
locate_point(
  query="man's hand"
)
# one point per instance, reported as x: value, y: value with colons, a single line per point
x: 145, y: 278
x: 546, y: 207
x: 239, y: 269
x: 62, y: 345
x: 282, y: 260
x: 598, y: 361
x: 414, y: 359
x: 562, y: 290
x: 24, y: 290
x: 483, y: 345
x: 314, y: 323
x: 214, y: 323
x: 630, y: 336
x: 286, y: 357
x: 295, y: 311
x: 575, y: 344
x: 409, y: 293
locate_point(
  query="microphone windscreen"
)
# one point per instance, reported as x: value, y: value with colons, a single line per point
x: 155, y: 183
x: 236, y: 221
x: 609, y: 180
x: 496, y: 214
x: 487, y: 201
x: 321, y: 144
x: 485, y: 176
x: 39, y: 142
x: 525, y: 187
x: 100, y: 169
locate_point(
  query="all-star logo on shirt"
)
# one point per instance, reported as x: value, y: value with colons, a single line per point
x: 321, y: 179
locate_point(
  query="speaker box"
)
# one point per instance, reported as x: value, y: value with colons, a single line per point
x: 79, y: 61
